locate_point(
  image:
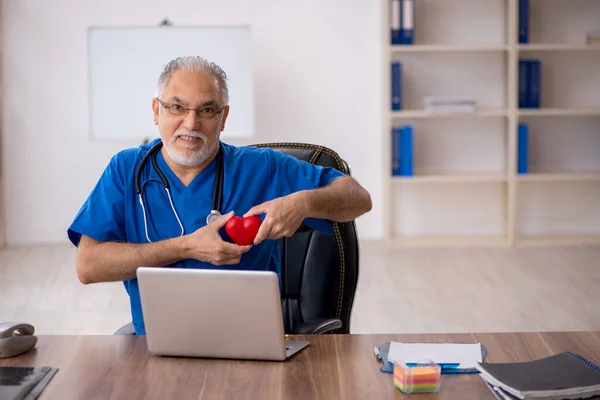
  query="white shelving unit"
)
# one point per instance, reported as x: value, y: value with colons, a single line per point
x: 2, y: 216
x: 466, y: 189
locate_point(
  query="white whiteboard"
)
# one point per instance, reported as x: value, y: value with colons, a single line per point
x: 125, y: 64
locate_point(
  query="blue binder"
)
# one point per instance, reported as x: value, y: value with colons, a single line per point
x: 523, y: 21
x: 408, y: 21
x: 396, y: 151
x: 396, y: 22
x: 522, y: 149
x: 396, y: 86
x: 523, y: 84
x: 406, y: 153
x: 535, y: 75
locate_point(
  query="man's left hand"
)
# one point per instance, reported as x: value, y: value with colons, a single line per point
x: 283, y: 217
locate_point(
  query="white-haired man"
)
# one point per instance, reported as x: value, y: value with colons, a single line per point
x: 154, y: 213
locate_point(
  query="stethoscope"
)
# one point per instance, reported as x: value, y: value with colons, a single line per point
x: 217, y: 200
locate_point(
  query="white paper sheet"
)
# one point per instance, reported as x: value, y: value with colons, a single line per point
x: 467, y: 354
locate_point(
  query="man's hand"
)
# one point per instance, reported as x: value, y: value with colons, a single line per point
x: 205, y: 244
x: 283, y: 217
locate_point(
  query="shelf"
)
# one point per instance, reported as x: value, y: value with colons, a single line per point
x: 558, y: 112
x: 432, y: 48
x: 439, y: 114
x: 466, y: 190
x: 465, y: 178
x: 558, y: 47
x: 428, y: 241
x: 559, y: 240
x: 569, y: 177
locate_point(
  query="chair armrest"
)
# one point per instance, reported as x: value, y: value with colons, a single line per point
x: 318, y: 326
x: 126, y: 330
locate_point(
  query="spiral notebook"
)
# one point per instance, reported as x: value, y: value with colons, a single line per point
x: 561, y: 376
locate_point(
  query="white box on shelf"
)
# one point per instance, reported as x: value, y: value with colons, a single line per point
x: 593, y: 37
x: 449, y: 108
x: 449, y: 104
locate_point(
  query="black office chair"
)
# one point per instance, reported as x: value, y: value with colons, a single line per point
x: 319, y: 273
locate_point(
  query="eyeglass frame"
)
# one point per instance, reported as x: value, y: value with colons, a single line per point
x: 170, y: 110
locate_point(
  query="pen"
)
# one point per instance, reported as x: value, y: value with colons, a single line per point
x: 443, y: 365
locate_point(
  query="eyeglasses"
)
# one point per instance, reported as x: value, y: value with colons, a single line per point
x: 204, y: 112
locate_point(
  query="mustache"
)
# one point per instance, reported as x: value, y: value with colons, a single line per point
x: 195, y: 134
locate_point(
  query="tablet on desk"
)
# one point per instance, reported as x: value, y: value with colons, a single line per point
x: 214, y: 314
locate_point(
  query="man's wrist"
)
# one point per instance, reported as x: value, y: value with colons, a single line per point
x: 305, y: 203
x: 182, y: 247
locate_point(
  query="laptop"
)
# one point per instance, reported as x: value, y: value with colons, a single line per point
x: 214, y: 314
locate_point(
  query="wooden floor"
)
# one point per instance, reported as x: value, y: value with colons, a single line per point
x: 400, y: 291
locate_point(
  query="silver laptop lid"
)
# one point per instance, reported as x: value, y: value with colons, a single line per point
x: 212, y: 313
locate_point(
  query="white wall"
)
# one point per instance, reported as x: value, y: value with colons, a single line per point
x: 317, y: 74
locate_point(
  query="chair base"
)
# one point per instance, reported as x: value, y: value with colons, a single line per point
x: 126, y: 329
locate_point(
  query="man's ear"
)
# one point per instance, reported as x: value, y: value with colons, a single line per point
x: 225, y: 114
x: 155, y: 110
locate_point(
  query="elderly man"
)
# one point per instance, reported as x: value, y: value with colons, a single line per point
x: 150, y: 206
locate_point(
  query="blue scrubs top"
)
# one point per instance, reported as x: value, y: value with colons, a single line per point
x: 251, y: 176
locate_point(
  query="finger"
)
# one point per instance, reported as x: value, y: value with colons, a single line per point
x: 223, y: 258
x: 233, y: 249
x: 222, y: 220
x: 256, y: 210
x: 277, y: 232
x: 264, y: 232
x: 226, y: 260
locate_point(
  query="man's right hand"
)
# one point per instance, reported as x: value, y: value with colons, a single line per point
x: 205, y: 244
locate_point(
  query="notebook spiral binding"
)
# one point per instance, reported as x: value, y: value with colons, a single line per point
x: 583, y: 360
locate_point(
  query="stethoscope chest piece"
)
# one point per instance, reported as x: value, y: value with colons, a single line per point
x: 212, y: 217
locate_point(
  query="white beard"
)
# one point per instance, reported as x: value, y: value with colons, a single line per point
x: 189, y: 157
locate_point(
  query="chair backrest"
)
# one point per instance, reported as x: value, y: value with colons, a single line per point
x: 319, y: 272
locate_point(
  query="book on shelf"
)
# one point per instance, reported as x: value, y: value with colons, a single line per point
x: 535, y: 74
x: 396, y: 151
x: 530, y: 83
x: 523, y: 21
x: 522, y: 148
x: 523, y: 93
x: 396, y: 86
x: 402, y: 150
x: 406, y: 140
x: 561, y: 376
x: 408, y: 21
x: 396, y: 22
x: 402, y: 21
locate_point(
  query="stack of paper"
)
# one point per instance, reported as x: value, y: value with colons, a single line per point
x: 466, y: 355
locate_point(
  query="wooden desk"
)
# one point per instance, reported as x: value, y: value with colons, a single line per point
x: 332, y: 367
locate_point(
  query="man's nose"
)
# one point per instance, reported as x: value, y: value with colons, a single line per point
x: 191, y: 121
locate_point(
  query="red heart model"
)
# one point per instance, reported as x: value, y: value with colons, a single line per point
x: 243, y: 230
